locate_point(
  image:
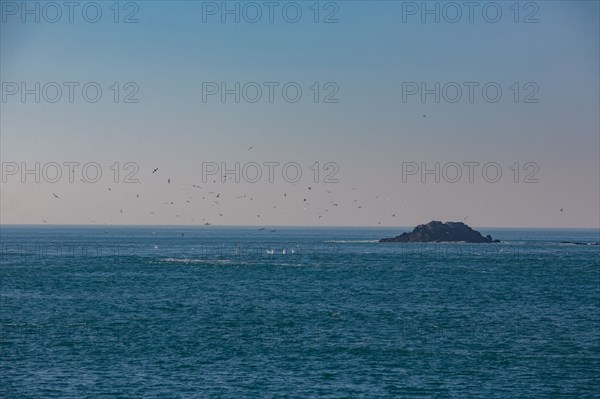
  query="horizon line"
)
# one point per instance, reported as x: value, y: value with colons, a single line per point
x: 275, y: 226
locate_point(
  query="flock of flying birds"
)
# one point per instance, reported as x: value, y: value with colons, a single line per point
x: 214, y: 196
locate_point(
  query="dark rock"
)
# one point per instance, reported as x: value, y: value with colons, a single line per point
x: 435, y: 231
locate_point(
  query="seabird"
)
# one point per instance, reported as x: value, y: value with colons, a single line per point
x: 155, y: 170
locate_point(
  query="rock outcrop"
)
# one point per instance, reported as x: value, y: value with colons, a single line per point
x: 435, y: 231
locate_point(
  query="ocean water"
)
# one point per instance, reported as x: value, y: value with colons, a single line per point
x: 181, y: 312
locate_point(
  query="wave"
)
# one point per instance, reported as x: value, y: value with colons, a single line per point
x: 579, y: 243
x: 190, y: 260
x: 351, y: 241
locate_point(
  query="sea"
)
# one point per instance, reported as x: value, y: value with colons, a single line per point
x: 264, y: 312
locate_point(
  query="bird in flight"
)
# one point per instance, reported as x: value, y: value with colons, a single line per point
x: 56, y: 196
x: 562, y: 209
x: 169, y: 181
x: 251, y: 147
x: 155, y: 170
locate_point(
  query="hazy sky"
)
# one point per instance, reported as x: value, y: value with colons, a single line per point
x: 368, y: 121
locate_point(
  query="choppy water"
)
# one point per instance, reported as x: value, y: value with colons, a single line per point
x: 237, y: 312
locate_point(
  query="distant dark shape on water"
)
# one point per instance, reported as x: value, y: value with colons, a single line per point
x: 435, y: 231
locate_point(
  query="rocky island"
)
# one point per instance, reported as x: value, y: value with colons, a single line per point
x: 435, y: 231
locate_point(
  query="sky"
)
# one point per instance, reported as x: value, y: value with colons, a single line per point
x: 347, y: 113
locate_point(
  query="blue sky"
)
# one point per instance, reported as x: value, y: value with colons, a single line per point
x: 369, y: 133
